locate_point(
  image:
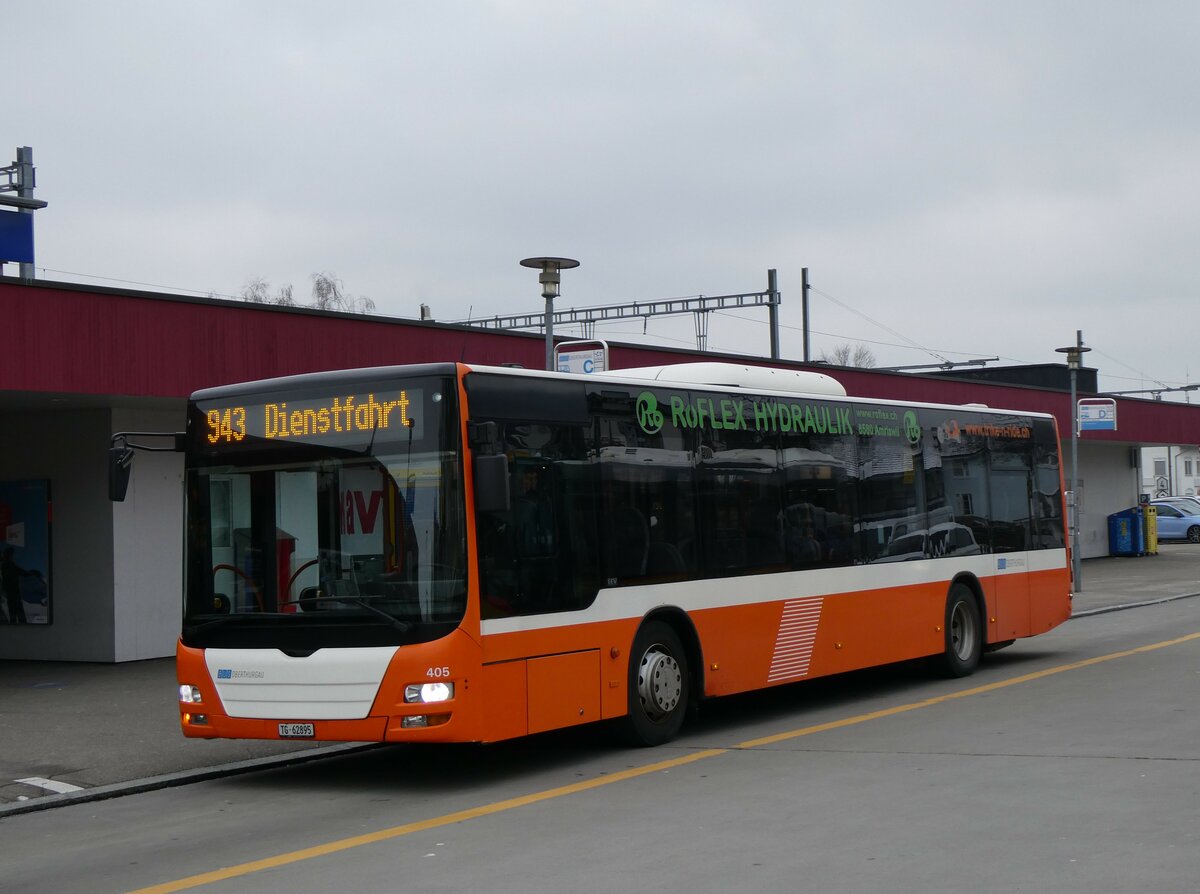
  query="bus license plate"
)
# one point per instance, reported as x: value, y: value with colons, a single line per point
x: 296, y: 731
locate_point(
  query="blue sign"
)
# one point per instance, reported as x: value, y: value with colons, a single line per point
x: 16, y: 237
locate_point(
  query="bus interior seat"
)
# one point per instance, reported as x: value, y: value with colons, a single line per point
x: 629, y: 542
x: 665, y: 559
x: 764, y: 534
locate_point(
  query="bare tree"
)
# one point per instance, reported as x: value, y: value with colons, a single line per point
x: 328, y: 293
x: 258, y: 291
x: 849, y: 355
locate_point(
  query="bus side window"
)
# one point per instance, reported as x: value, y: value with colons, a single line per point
x: 647, y: 497
x: 892, y: 507
x: 1050, y: 532
x: 964, y: 459
x: 627, y: 542
x: 741, y: 495
x: 540, y: 555
x: 533, y: 512
x: 1011, y: 495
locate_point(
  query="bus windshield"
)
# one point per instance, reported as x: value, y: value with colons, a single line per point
x: 328, y: 517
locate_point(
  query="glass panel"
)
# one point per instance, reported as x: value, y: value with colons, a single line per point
x: 344, y: 532
x: 541, y: 554
x: 893, y: 525
x: 309, y: 526
x: 648, y: 503
x: 962, y: 523
x: 1011, y: 485
x: 740, y: 487
x: 1049, y: 528
x: 820, y: 498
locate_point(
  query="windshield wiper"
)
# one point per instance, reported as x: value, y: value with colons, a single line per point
x: 402, y: 626
x: 397, y: 623
x: 226, y: 619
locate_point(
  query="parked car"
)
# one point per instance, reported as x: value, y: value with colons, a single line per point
x: 946, y: 539
x: 1187, y: 504
x: 1177, y: 523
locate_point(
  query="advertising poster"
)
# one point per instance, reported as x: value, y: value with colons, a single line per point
x: 25, y: 552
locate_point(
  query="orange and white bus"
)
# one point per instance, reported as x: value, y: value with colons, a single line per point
x: 452, y: 553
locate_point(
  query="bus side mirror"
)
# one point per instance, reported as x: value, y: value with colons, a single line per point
x: 120, y: 465
x: 491, y: 483
x: 120, y: 456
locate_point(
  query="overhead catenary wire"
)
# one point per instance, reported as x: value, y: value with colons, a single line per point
x: 869, y: 341
x: 134, y: 282
x: 875, y: 322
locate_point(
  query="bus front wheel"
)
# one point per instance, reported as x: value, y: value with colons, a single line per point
x: 658, y: 686
x: 963, y: 631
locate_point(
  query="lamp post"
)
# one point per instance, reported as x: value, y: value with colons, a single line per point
x: 549, y: 279
x: 1074, y: 354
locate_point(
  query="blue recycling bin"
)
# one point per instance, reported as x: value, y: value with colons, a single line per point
x: 1126, y: 533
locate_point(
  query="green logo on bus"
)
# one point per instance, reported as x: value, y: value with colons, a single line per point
x: 649, y: 416
x: 912, y: 428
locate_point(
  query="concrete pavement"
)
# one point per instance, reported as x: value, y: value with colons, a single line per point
x: 73, y: 731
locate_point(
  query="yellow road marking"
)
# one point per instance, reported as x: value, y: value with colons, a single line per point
x: 345, y: 844
x: 962, y: 693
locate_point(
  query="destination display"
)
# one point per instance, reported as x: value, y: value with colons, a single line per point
x: 339, y: 417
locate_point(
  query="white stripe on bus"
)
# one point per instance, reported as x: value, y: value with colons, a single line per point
x: 636, y: 601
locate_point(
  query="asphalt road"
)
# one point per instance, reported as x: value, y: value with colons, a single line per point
x: 77, y: 731
x: 1067, y: 764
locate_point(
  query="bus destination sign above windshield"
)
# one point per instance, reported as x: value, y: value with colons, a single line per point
x: 332, y: 418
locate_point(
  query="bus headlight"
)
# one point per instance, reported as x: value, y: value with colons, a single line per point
x: 190, y: 694
x: 428, y: 693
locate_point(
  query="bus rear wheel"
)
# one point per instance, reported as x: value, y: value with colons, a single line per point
x: 964, y: 633
x: 659, y: 686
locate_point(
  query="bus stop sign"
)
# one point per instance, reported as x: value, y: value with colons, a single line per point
x: 1098, y: 414
x: 586, y: 357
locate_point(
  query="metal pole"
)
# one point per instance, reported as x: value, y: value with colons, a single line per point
x: 804, y: 307
x: 1076, y: 565
x: 701, y: 330
x: 773, y: 311
x: 549, y: 331
x: 25, y: 179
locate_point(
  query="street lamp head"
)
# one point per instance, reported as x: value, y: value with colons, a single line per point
x: 550, y: 267
x: 1074, y: 354
x: 549, y: 279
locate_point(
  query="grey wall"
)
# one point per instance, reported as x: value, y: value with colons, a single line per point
x: 147, y: 545
x: 68, y: 449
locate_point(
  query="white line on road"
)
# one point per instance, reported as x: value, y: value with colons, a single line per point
x: 50, y: 785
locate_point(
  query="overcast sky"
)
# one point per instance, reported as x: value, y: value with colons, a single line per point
x: 962, y: 180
